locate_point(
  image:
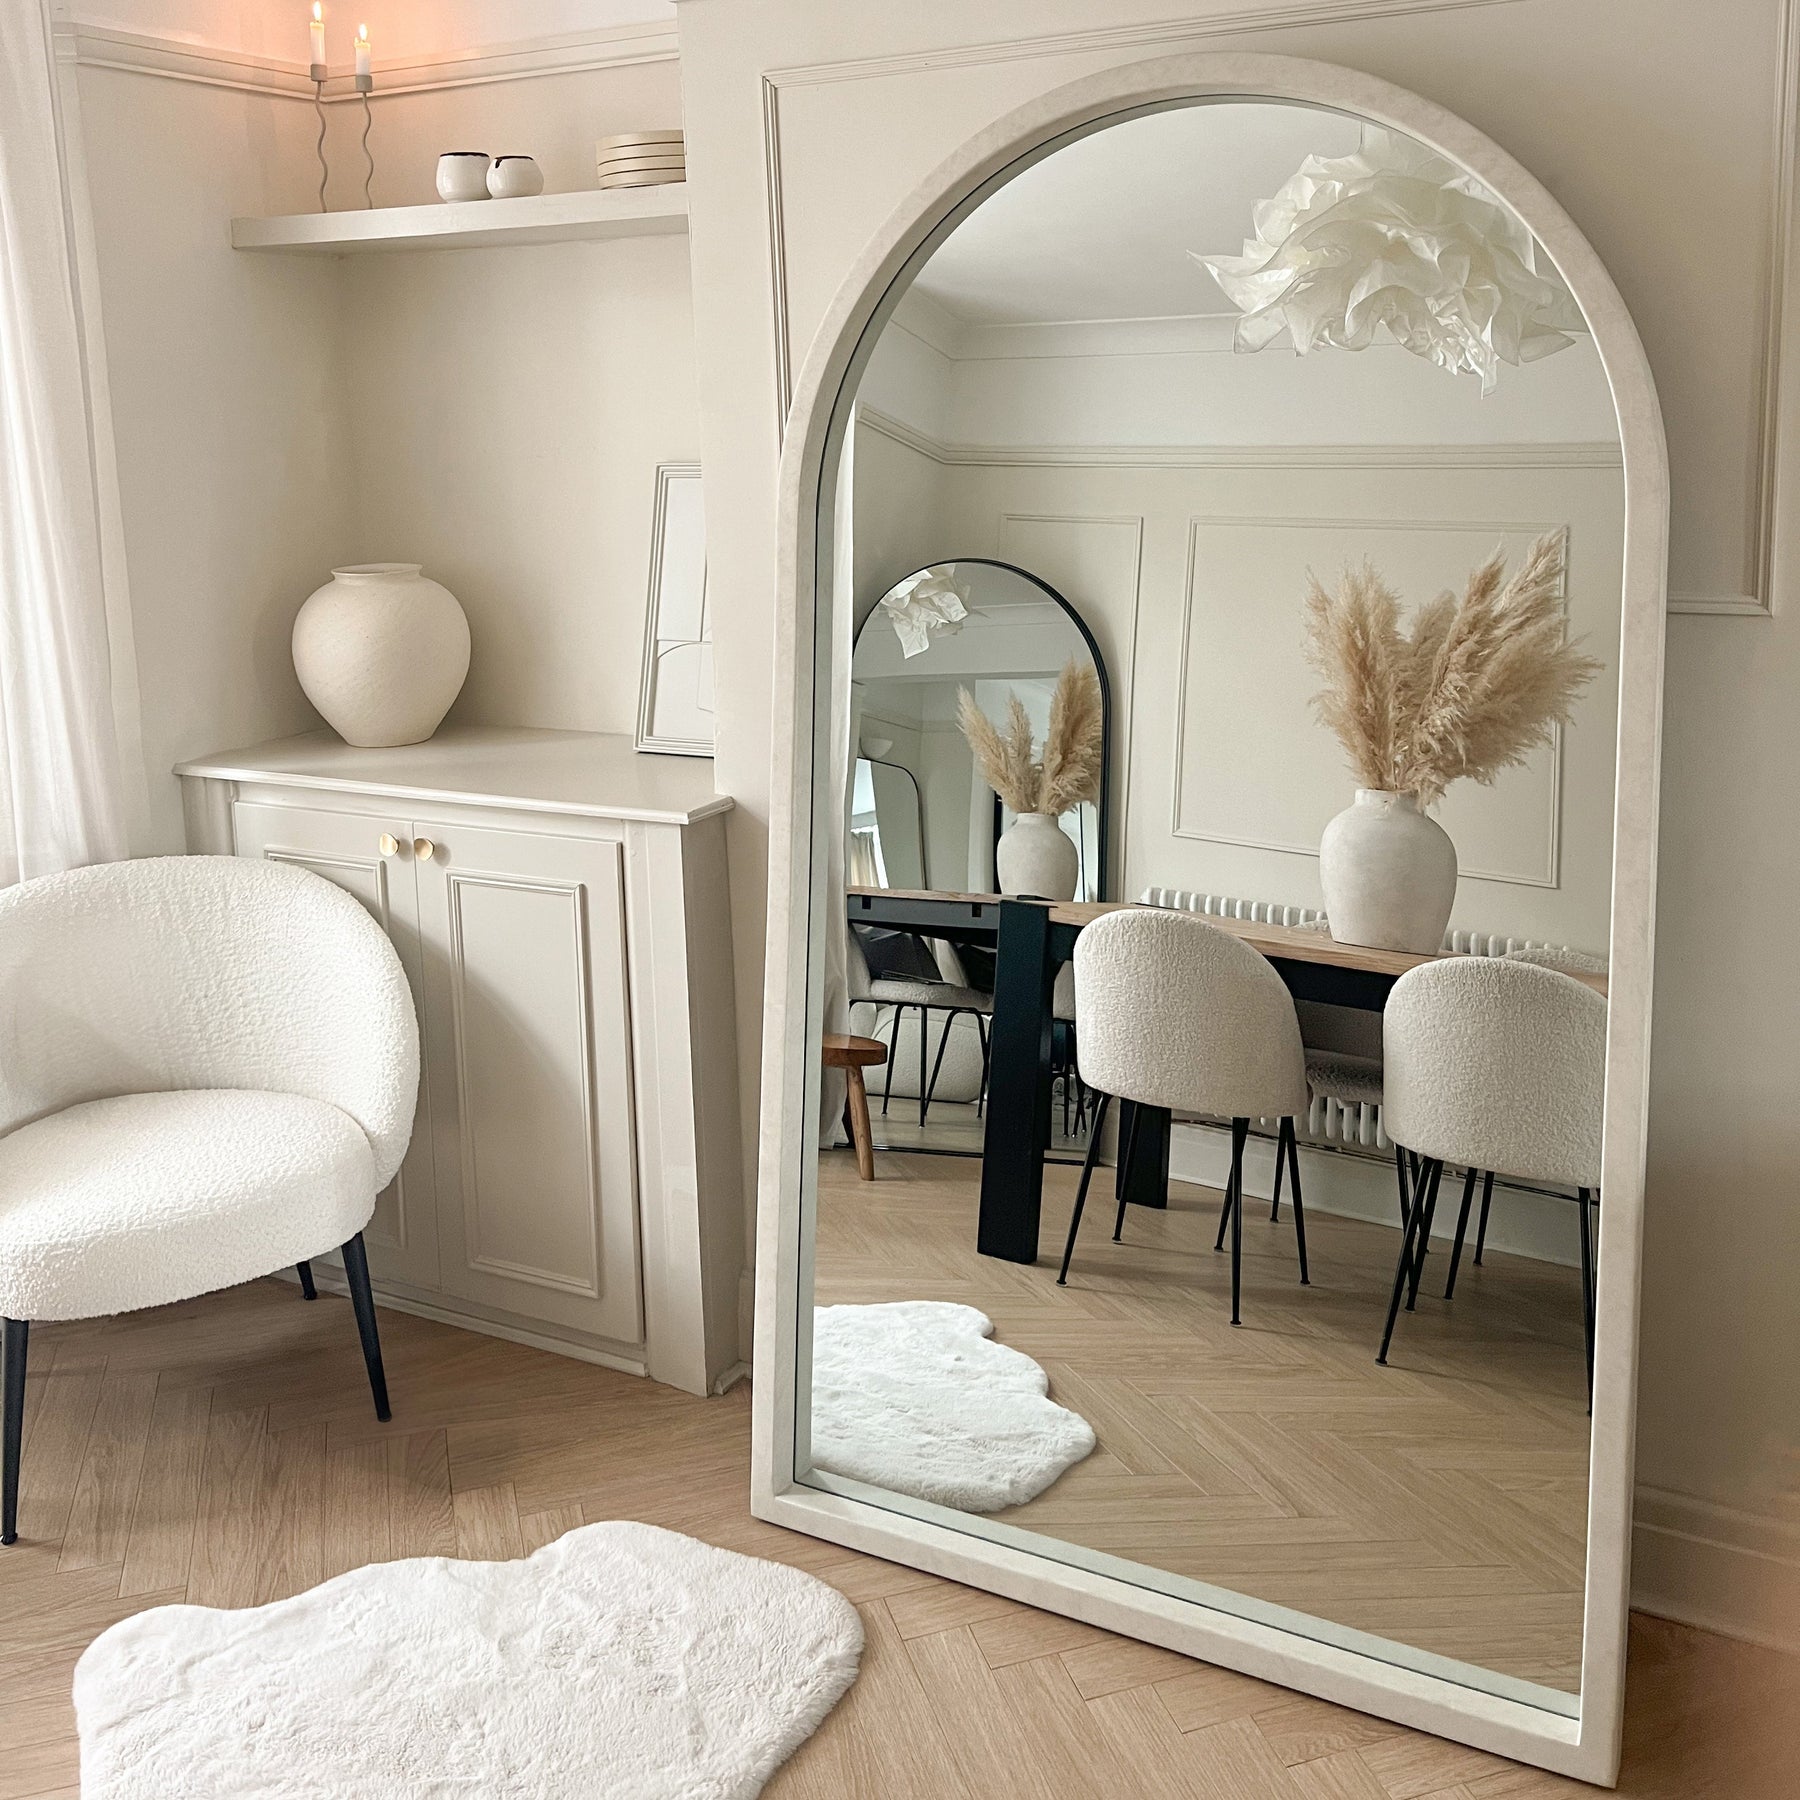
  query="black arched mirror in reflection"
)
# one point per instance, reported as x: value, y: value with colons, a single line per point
x: 1013, y: 639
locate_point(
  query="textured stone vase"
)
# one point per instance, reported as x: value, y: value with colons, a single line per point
x: 1035, y: 856
x: 1389, y: 874
x: 381, y: 651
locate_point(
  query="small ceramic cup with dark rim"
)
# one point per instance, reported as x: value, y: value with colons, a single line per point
x: 462, y: 175
x: 514, y: 177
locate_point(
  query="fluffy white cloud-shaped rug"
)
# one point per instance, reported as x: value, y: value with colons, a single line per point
x: 620, y: 1661
x: 916, y: 1397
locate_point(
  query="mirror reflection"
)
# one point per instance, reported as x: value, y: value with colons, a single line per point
x: 1208, y: 1183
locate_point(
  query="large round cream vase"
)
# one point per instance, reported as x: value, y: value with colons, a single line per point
x: 1389, y: 874
x: 381, y: 651
x: 1036, y: 856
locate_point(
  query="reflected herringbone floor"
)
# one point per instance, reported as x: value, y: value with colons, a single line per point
x: 1440, y: 1501
x: 224, y: 1451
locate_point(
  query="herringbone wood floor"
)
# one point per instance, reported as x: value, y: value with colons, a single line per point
x: 224, y: 1451
x: 1440, y: 1501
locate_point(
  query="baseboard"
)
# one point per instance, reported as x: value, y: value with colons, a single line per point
x: 1717, y: 1567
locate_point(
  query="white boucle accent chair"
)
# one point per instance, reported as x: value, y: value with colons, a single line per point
x: 208, y: 1068
x: 1496, y: 1063
x: 1178, y: 1014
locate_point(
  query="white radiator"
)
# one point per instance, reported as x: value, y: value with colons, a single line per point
x: 1327, y: 1122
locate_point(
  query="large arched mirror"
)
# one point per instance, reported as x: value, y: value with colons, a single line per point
x: 1282, y: 1306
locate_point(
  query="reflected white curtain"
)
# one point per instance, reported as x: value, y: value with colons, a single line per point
x: 60, y: 791
x: 841, y: 710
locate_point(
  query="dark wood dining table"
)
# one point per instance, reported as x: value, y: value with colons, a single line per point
x: 1031, y: 940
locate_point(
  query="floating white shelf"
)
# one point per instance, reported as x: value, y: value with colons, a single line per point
x: 538, y: 219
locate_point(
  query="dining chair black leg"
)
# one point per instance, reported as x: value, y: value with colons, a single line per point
x: 981, y: 1092
x: 1229, y: 1202
x: 12, y: 1430
x: 1087, y: 1175
x: 1293, y: 1158
x: 887, y: 1085
x: 1405, y: 1193
x: 1281, y: 1137
x: 924, y: 1046
x: 1487, y: 1200
x: 1416, y: 1218
x: 307, y: 1290
x: 1587, y: 1293
x: 1127, y: 1150
x: 1240, y: 1131
x: 950, y: 1019
x: 1462, y: 1225
x: 1428, y: 1201
x: 356, y: 1272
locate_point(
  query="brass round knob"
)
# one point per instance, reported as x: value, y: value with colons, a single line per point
x: 423, y: 849
x: 389, y: 844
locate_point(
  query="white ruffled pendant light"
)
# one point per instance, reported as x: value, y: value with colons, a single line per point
x: 1396, y: 242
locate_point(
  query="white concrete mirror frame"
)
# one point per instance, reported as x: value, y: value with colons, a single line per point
x: 1581, y: 1741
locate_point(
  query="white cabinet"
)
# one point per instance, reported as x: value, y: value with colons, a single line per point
x: 560, y: 907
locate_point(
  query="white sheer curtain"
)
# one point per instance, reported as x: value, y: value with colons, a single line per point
x: 60, y: 791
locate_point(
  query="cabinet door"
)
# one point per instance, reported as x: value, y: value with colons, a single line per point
x: 527, y: 1033
x: 346, y: 848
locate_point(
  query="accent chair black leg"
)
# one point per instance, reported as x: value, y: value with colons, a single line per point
x: 1293, y: 1157
x: 981, y: 1092
x: 1240, y: 1130
x: 16, y: 1333
x: 307, y: 1290
x: 1462, y: 1225
x: 1487, y: 1200
x: 887, y: 1084
x: 1587, y: 1293
x: 1415, y: 1219
x: 356, y: 1271
x: 1087, y: 1175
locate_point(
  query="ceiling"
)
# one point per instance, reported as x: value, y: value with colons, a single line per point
x: 1102, y: 229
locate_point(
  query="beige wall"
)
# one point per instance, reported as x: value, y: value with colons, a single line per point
x: 496, y: 415
x: 1652, y: 121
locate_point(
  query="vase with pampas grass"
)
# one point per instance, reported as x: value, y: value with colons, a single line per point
x: 1476, y: 683
x: 1034, y: 855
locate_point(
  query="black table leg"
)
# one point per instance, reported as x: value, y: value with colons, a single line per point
x: 1018, y: 1112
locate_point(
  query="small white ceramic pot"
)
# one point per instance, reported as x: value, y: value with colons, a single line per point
x: 1389, y: 874
x: 381, y: 652
x: 513, y: 177
x: 462, y: 175
x: 1036, y: 856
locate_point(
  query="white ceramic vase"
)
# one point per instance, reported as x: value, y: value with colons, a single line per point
x: 1036, y: 856
x: 1389, y: 874
x: 381, y: 651
x: 514, y: 178
x: 463, y: 175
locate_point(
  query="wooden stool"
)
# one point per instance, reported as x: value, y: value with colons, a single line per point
x: 853, y: 1055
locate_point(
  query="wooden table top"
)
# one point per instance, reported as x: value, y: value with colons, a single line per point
x: 1289, y: 943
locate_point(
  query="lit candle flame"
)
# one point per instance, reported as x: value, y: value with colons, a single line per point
x: 318, y: 12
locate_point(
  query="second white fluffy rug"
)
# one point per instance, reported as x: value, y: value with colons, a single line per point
x: 620, y: 1661
x: 916, y: 1397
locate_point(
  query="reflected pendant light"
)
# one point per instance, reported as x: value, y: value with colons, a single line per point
x: 1396, y: 242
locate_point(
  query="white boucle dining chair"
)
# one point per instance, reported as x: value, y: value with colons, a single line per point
x: 208, y: 1068
x: 1495, y: 1063
x: 1178, y: 1014
x: 900, y: 992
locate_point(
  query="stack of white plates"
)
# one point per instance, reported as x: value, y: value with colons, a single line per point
x: 640, y: 159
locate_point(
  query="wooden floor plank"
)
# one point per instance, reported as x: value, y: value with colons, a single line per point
x: 106, y: 1489
x: 962, y: 1696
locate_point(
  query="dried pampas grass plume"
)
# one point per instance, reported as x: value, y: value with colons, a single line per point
x: 1005, y: 761
x: 1477, y: 684
x: 1074, y: 746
